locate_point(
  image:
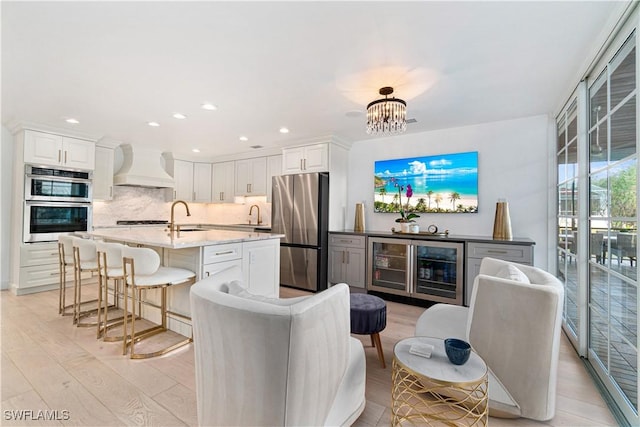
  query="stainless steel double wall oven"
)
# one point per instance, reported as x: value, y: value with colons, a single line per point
x: 56, y: 201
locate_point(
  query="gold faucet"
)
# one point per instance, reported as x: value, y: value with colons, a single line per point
x: 172, y: 224
x: 251, y: 210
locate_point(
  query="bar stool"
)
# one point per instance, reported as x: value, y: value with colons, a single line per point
x: 109, y: 257
x: 65, y: 259
x: 142, y: 271
x: 85, y: 259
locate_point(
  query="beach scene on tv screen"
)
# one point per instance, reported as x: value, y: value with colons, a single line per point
x: 446, y: 183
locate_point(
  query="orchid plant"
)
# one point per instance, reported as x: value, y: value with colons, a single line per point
x: 404, y: 215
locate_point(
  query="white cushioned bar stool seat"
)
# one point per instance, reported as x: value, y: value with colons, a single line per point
x: 109, y: 268
x: 85, y: 259
x: 65, y: 259
x: 142, y: 271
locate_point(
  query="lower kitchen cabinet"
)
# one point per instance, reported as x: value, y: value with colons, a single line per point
x: 40, y: 269
x: 522, y: 254
x: 261, y: 267
x: 347, y: 259
x: 420, y: 269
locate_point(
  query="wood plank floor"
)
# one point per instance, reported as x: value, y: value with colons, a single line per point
x: 49, y: 365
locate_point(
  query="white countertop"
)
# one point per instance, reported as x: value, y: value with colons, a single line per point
x: 155, y: 236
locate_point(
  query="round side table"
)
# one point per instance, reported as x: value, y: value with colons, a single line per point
x: 434, y: 391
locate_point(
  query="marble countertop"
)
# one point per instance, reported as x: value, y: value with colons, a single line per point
x: 150, y: 236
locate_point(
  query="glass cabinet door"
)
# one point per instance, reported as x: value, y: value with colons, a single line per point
x: 389, y: 260
x: 438, y: 272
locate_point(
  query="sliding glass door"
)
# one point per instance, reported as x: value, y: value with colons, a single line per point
x: 613, y: 221
x: 597, y: 221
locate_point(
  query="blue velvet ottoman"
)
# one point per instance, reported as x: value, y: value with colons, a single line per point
x: 369, y: 317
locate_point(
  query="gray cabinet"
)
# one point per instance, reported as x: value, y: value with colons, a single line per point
x: 347, y: 254
x: 522, y: 254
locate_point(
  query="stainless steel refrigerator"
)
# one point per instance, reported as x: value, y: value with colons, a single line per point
x: 300, y: 210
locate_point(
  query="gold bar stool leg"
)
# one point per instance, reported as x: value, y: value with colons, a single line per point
x: 84, y: 257
x: 147, y: 263
x: 65, y: 258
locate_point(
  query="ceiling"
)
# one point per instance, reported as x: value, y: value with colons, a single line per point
x: 310, y: 66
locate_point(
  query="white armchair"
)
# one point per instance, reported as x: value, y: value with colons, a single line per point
x: 276, y: 362
x: 513, y: 322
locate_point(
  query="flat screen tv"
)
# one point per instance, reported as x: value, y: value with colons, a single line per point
x: 446, y: 183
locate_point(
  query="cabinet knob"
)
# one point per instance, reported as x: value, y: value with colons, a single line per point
x: 59, y: 156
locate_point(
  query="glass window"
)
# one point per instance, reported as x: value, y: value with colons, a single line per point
x: 623, y: 131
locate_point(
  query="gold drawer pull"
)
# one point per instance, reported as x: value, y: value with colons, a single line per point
x: 224, y: 253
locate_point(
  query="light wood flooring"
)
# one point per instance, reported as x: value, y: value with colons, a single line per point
x: 48, y: 364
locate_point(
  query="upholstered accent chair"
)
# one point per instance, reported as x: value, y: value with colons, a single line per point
x: 514, y: 323
x: 274, y: 362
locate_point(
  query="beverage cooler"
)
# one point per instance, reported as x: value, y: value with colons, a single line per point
x: 424, y: 269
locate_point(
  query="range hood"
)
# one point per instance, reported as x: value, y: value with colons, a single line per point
x: 142, y: 167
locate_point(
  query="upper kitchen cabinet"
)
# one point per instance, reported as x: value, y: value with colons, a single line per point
x: 183, y: 180
x: 202, y: 182
x: 251, y: 177
x: 103, y: 174
x: 274, y: 168
x: 329, y: 154
x: 56, y: 150
x: 223, y: 182
x: 306, y: 158
x: 192, y: 181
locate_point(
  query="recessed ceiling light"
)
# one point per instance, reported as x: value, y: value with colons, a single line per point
x: 154, y: 124
x: 179, y: 116
x: 209, y: 106
x: 284, y: 130
x: 195, y: 150
x: 72, y: 121
x: 244, y: 138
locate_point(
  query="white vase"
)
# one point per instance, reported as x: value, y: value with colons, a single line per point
x: 404, y: 227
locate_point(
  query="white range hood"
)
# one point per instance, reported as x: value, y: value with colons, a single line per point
x: 142, y: 167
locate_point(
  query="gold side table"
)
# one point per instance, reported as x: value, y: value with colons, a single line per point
x: 433, y: 391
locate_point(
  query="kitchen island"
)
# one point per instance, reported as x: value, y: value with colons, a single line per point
x: 205, y: 252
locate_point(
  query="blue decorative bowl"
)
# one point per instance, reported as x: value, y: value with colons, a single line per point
x: 458, y: 351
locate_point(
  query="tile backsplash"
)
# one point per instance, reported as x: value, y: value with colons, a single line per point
x: 140, y: 203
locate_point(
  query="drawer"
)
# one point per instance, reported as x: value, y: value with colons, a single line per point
x: 34, y: 254
x: 516, y: 253
x: 210, y: 269
x: 219, y: 253
x: 48, y: 275
x: 348, y: 240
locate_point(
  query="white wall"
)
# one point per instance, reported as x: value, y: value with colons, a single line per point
x: 6, y: 182
x: 512, y: 164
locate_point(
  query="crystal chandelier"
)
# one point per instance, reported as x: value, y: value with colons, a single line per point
x: 386, y: 116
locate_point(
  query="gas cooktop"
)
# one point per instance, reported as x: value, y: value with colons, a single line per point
x: 142, y: 222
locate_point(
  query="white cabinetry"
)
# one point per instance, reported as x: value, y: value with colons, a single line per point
x: 307, y: 158
x: 39, y: 267
x: 522, y: 254
x: 202, y: 182
x: 251, y: 177
x: 103, y: 174
x: 259, y: 261
x: 347, y: 254
x: 274, y: 168
x: 57, y: 150
x: 223, y: 182
x: 261, y: 267
x: 183, y: 180
x: 219, y: 257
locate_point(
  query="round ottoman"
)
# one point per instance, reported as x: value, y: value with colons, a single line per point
x: 369, y: 317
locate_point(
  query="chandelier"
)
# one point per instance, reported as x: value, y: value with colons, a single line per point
x: 386, y: 116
